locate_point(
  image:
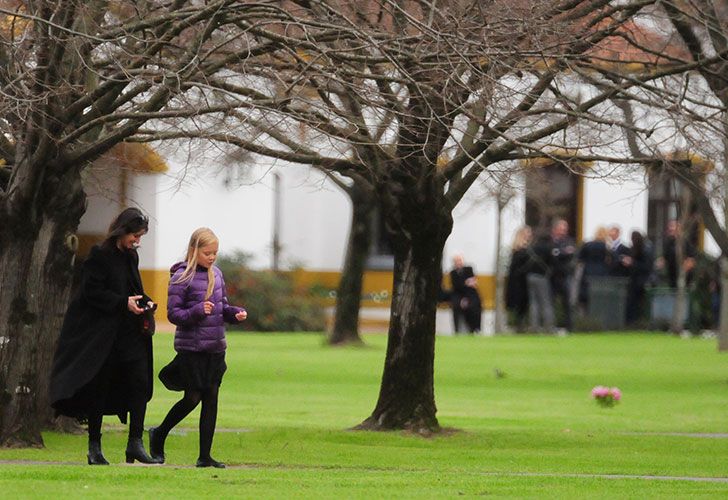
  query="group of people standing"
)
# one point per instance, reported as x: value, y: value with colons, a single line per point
x: 103, y: 363
x: 549, y: 272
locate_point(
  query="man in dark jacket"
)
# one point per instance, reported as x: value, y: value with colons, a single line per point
x: 562, y: 252
x: 619, y: 253
x: 538, y: 279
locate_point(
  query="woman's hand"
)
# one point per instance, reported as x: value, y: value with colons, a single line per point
x: 132, y: 304
x: 207, y: 306
x: 241, y: 315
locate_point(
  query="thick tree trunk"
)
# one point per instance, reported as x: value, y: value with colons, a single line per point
x: 418, y: 217
x: 33, y: 300
x: 723, y: 325
x: 37, y: 245
x: 348, y: 294
x: 406, y: 397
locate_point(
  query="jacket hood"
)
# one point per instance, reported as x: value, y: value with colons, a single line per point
x: 176, y: 267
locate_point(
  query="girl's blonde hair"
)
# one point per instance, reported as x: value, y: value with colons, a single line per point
x: 201, y: 237
x: 522, y: 238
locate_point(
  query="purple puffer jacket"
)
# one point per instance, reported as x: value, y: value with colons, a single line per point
x: 197, y: 331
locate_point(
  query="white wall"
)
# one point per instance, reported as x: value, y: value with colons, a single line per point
x: 241, y: 215
x: 473, y: 232
x: 141, y: 192
x: 607, y: 202
x: 315, y: 220
x: 315, y: 214
x: 102, y: 186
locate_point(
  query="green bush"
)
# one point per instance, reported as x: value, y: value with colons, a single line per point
x: 273, y: 301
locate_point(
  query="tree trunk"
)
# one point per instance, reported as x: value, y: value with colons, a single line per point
x: 723, y: 325
x: 348, y: 294
x: 407, y: 397
x: 677, y: 324
x: 37, y: 246
x: 500, y: 276
x: 33, y: 300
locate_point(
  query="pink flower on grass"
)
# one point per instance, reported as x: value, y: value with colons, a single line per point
x: 600, y: 391
x: 606, y: 396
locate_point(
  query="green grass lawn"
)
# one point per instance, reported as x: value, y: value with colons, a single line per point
x: 519, y: 407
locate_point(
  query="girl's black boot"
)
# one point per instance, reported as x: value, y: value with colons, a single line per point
x: 209, y: 462
x: 156, y: 444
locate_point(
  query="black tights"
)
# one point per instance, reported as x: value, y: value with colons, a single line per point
x: 208, y: 416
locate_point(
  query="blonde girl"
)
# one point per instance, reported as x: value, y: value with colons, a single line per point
x: 197, y: 304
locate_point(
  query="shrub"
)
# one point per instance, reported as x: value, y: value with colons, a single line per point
x: 273, y: 301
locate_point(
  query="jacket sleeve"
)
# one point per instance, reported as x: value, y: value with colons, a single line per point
x: 179, y: 312
x: 228, y: 311
x: 95, y: 285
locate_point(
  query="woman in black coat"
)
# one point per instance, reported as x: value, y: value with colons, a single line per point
x: 103, y: 360
x: 640, y: 265
x: 521, y: 264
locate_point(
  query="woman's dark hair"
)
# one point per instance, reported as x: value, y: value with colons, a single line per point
x: 131, y: 220
x: 638, y: 244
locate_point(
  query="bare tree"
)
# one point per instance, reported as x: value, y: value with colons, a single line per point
x: 696, y: 106
x: 703, y: 27
x: 438, y: 70
x: 77, y: 78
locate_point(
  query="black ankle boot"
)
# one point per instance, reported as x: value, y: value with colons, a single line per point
x: 95, y: 457
x: 209, y: 462
x: 156, y: 444
x: 135, y: 451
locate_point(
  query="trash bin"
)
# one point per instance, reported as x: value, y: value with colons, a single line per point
x: 662, y: 303
x: 608, y: 301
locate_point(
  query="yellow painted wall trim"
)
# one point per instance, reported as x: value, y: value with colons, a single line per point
x: 155, y: 284
x: 377, y: 288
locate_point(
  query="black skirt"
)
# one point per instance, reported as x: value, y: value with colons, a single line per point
x: 194, y: 371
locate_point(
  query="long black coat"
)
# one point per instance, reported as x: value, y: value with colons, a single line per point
x: 96, y: 319
x: 462, y: 291
x: 516, y: 284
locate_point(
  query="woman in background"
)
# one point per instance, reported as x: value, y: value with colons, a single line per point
x: 516, y: 284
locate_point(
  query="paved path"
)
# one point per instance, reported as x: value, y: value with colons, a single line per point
x: 706, y: 435
x: 646, y: 477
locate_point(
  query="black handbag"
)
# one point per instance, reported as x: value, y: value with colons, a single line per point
x: 148, y: 325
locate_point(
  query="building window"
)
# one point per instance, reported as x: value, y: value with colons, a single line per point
x: 553, y: 192
x: 666, y: 197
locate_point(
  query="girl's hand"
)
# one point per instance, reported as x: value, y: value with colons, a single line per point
x: 207, y: 307
x: 241, y: 315
x: 131, y: 304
